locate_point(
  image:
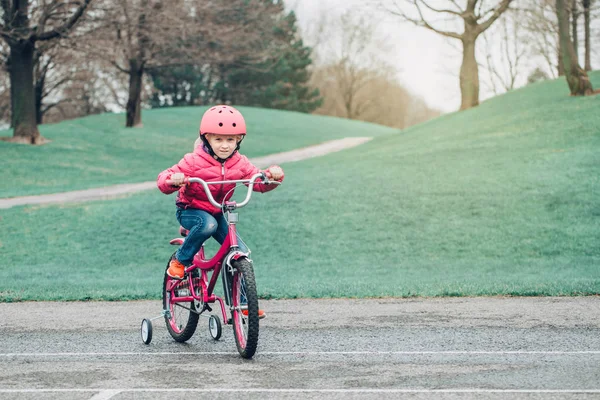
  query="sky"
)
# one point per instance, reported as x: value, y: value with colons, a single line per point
x: 426, y: 63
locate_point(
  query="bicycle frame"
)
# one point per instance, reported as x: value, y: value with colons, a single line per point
x: 221, y: 261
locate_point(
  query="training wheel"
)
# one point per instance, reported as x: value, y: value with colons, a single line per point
x: 214, y: 327
x: 146, y: 331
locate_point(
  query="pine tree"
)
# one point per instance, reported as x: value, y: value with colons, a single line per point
x: 279, y: 80
x: 183, y: 85
x: 282, y: 81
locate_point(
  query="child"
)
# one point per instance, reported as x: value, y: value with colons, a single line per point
x: 217, y: 158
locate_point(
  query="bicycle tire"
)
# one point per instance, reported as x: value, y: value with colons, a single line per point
x: 182, y: 318
x: 245, y: 328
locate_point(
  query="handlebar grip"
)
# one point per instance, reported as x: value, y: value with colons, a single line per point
x: 170, y: 182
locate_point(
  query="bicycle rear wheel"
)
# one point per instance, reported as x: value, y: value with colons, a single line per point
x: 181, y: 318
x: 244, y: 297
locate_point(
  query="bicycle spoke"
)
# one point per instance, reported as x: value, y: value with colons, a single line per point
x: 182, y: 318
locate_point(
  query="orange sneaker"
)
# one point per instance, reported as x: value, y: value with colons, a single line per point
x: 176, y: 269
x: 261, y: 314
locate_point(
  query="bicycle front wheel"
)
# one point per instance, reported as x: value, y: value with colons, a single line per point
x: 181, y: 318
x: 245, y: 308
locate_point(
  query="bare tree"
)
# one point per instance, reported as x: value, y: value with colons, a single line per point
x: 574, y: 25
x: 506, y: 51
x: 128, y: 36
x: 376, y: 96
x: 5, y: 104
x: 140, y: 35
x: 541, y: 24
x: 354, y: 77
x: 61, y: 76
x: 24, y: 23
x: 50, y: 62
x: 355, y: 66
x: 476, y: 18
x: 577, y: 78
x: 586, y: 16
x: 342, y: 86
x: 73, y: 86
x: 344, y: 65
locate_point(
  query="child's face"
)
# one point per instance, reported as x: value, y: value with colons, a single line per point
x: 223, y: 145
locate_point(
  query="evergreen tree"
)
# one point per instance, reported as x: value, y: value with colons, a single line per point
x: 183, y: 85
x: 281, y: 81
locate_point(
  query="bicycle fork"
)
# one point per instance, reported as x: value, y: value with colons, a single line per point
x: 228, y: 272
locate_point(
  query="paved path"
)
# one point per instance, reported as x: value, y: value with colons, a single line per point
x: 379, y: 349
x: 118, y: 190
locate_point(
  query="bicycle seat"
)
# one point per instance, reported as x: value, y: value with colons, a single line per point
x: 183, y: 232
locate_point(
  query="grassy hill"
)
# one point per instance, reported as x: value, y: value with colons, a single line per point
x: 98, y: 150
x: 503, y: 199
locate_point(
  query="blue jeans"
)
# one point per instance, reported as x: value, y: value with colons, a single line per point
x: 202, y: 225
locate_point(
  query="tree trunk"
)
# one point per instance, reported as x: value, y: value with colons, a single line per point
x: 469, y: 75
x: 348, y: 89
x: 12, y: 94
x: 21, y: 82
x: 134, y: 102
x: 560, y: 64
x: 39, y: 94
x: 575, y: 34
x: 579, y: 83
x: 586, y: 27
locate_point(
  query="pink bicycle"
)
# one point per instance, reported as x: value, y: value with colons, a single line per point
x: 184, y: 301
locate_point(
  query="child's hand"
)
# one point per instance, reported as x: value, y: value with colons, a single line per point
x: 177, y: 179
x: 275, y: 172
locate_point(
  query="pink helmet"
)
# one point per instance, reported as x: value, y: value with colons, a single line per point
x: 223, y: 120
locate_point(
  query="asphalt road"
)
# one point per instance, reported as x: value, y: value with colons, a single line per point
x: 458, y: 348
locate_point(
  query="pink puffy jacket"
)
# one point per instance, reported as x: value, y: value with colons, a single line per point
x: 200, y: 164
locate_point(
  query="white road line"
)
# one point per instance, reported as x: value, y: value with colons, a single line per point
x: 308, y: 353
x: 106, y: 394
x: 266, y: 390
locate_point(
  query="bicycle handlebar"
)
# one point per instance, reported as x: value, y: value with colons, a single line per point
x: 250, y: 182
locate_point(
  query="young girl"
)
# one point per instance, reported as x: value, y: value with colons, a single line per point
x: 217, y: 158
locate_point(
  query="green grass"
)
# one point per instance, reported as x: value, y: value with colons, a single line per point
x: 503, y: 199
x: 98, y: 150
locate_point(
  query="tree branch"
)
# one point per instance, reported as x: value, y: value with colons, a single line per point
x: 48, y: 107
x: 50, y: 89
x: 121, y: 69
x: 497, y: 12
x: 455, y: 4
x: 61, y: 30
x: 428, y: 26
x: 439, y: 10
x: 422, y: 22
